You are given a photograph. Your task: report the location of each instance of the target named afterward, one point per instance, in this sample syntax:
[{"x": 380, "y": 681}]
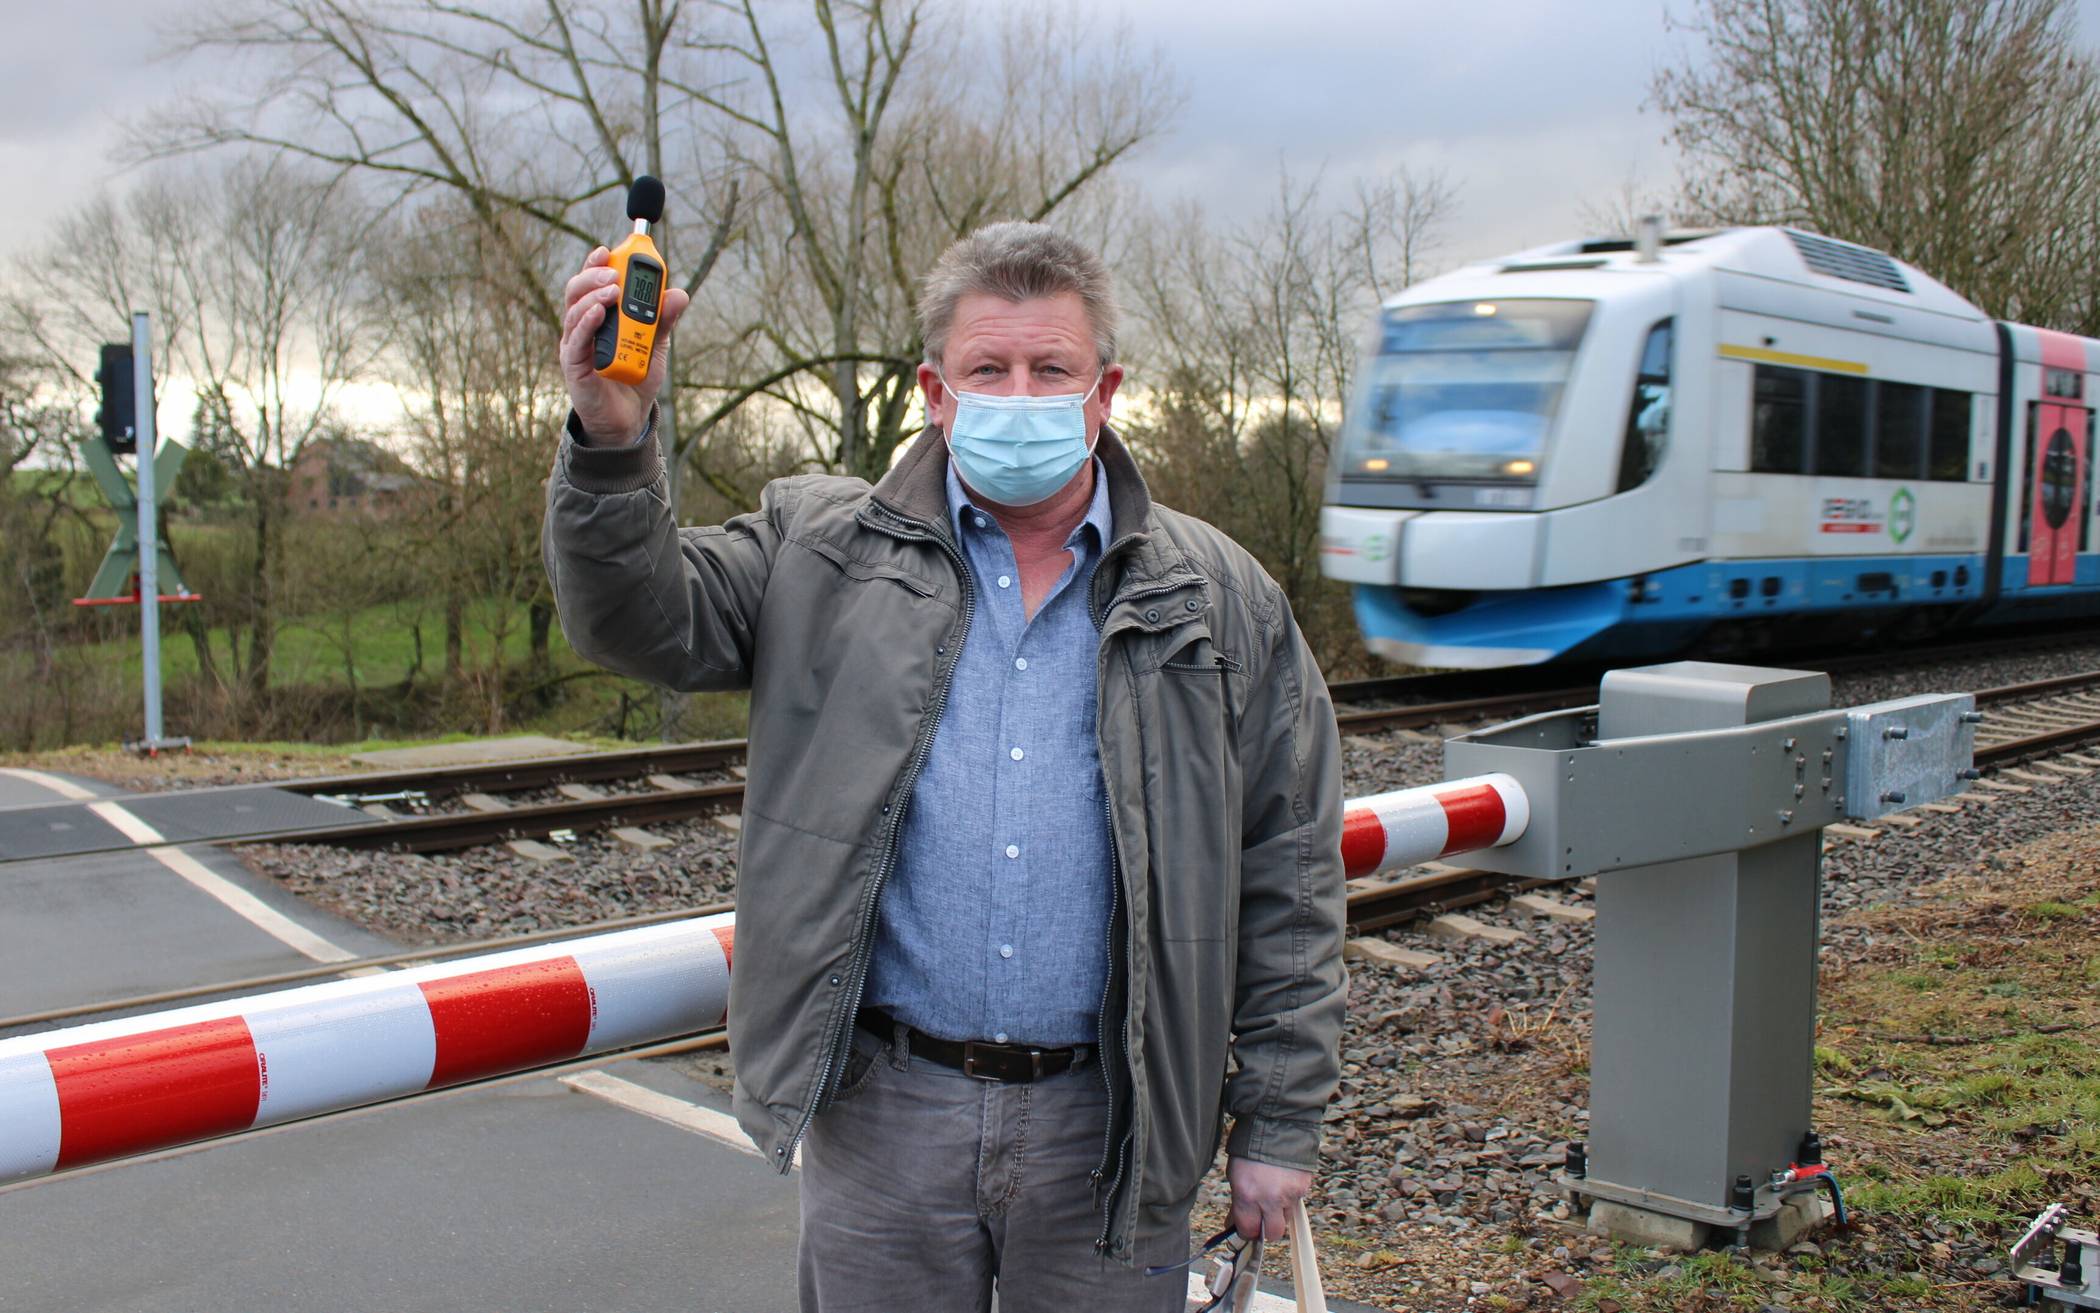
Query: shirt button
[
  {"x": 1020, "y": 663},
  {"x": 978, "y": 520},
  {"x": 1006, "y": 950},
  {"x": 1017, "y": 754},
  {"x": 999, "y": 1038},
  {"x": 1013, "y": 850},
  {"x": 1006, "y": 581}
]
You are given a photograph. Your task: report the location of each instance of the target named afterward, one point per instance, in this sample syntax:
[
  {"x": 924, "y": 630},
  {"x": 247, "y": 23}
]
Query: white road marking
[
  {"x": 722, "y": 1128},
  {"x": 717, "y": 1126},
  {"x": 242, "y": 903},
  {"x": 64, "y": 788}
]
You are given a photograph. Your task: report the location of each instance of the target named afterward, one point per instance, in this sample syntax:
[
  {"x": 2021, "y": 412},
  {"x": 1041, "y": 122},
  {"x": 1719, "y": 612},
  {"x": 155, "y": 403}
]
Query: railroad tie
[
  {"x": 1856, "y": 833},
  {"x": 1898, "y": 818},
  {"x": 1540, "y": 905},
  {"x": 532, "y": 850},
  {"x": 672, "y": 783},
  {"x": 2073, "y": 772},
  {"x": 729, "y": 821},
  {"x": 1386, "y": 953},
  {"x": 2000, "y": 786},
  {"x": 482, "y": 802},
  {"x": 639, "y": 838},
  {"x": 1459, "y": 927},
  {"x": 2029, "y": 776},
  {"x": 579, "y": 792}
]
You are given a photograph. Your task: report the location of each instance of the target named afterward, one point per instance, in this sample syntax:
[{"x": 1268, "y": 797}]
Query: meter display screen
[{"x": 644, "y": 281}]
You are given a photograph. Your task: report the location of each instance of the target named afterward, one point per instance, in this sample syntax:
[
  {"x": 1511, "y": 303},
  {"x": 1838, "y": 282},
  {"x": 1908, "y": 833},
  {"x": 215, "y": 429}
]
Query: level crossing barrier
[
  {"x": 1699, "y": 792},
  {"x": 112, "y": 1089}
]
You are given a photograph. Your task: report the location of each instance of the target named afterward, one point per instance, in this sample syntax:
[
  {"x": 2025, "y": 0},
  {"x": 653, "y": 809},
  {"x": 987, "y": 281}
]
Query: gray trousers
[{"x": 923, "y": 1189}]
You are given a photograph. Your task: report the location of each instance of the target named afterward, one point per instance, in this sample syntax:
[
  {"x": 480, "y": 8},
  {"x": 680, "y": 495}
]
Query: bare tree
[
  {"x": 480, "y": 392},
  {"x": 1960, "y": 135},
  {"x": 1250, "y": 344},
  {"x": 903, "y": 130},
  {"x": 532, "y": 117},
  {"x": 253, "y": 274}
]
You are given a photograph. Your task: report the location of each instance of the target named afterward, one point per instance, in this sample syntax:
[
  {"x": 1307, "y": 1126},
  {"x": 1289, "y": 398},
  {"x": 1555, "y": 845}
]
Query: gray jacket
[{"x": 842, "y": 608}]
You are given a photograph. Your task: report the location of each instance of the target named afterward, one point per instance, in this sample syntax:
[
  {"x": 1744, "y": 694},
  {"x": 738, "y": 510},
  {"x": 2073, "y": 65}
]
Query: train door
[{"x": 2059, "y": 456}]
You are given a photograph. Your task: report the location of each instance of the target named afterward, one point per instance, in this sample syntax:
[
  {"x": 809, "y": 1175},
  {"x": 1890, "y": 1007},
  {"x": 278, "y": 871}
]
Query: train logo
[{"x": 1903, "y": 514}]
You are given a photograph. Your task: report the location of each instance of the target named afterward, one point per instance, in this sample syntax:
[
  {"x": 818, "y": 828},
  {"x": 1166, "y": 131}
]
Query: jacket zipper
[
  {"x": 858, "y": 969},
  {"x": 1110, "y": 1150}
]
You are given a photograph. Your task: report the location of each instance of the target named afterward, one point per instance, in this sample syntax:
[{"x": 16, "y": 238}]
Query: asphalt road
[{"x": 532, "y": 1195}]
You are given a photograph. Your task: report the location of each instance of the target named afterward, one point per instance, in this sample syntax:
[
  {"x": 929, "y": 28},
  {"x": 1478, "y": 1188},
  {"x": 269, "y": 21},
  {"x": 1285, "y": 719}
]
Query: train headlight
[
  {"x": 1521, "y": 467},
  {"x": 1484, "y": 308},
  {"x": 1378, "y": 465}
]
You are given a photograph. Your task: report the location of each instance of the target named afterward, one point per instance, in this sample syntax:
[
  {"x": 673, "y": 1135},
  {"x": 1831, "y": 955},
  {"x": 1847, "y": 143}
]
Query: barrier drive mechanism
[
  {"x": 2073, "y": 1282},
  {"x": 1697, "y": 792}
]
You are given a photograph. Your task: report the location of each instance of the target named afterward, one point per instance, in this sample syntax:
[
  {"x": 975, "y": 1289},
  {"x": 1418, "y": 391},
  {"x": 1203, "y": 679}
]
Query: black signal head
[{"x": 645, "y": 200}]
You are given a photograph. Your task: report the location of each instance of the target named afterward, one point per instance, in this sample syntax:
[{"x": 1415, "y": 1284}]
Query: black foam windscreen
[{"x": 645, "y": 200}]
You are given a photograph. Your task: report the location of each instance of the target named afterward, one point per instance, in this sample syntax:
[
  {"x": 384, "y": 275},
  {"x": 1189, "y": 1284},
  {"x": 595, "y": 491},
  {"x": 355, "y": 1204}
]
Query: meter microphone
[{"x": 627, "y": 339}]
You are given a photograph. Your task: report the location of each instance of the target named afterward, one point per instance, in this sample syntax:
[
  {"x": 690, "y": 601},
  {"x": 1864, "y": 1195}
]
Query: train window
[
  {"x": 1841, "y": 425},
  {"x": 2066, "y": 383},
  {"x": 1464, "y": 391},
  {"x": 1948, "y": 458},
  {"x": 1648, "y": 419},
  {"x": 1779, "y": 421},
  {"x": 1899, "y": 431}
]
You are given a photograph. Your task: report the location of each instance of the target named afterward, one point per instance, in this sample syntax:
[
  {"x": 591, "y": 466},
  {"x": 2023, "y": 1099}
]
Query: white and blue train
[{"x": 1707, "y": 440}]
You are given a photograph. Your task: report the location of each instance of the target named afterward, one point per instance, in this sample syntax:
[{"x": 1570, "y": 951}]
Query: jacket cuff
[
  {"x": 628, "y": 468},
  {"x": 1275, "y": 1141}
]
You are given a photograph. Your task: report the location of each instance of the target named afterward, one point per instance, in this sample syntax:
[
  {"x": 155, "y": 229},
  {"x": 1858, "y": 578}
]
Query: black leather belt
[{"x": 976, "y": 1058}]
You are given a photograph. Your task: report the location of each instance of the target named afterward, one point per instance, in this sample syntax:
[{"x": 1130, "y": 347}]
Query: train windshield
[{"x": 1465, "y": 391}]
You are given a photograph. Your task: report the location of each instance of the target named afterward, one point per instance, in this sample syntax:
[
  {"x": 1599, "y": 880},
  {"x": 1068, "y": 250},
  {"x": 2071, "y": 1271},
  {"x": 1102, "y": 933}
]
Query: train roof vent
[{"x": 1854, "y": 264}]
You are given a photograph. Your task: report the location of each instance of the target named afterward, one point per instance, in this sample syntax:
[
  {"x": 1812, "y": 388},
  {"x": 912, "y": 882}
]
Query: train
[{"x": 1723, "y": 441}]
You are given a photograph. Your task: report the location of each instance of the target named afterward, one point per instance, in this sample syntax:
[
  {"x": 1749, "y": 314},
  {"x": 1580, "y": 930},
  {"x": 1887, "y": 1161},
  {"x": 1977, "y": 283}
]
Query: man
[{"x": 1042, "y": 827}]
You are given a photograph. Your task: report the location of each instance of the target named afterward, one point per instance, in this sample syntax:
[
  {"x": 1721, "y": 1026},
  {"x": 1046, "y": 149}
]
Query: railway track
[{"x": 2026, "y": 723}]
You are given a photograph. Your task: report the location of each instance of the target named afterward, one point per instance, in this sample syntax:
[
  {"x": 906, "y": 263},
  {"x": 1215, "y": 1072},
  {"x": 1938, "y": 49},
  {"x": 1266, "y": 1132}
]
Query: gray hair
[{"x": 1016, "y": 262}]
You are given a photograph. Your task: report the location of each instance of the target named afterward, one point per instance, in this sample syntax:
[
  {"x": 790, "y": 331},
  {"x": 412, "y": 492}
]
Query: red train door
[{"x": 2059, "y": 457}]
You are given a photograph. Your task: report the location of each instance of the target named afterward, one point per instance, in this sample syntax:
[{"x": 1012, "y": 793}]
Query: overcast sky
[{"x": 1532, "y": 107}]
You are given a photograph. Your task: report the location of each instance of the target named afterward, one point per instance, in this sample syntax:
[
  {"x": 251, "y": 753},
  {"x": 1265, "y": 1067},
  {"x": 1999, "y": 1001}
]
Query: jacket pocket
[
  {"x": 1196, "y": 855},
  {"x": 854, "y": 567}
]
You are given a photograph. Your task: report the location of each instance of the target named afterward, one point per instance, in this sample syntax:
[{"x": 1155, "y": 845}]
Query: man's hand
[
  {"x": 612, "y": 413},
  {"x": 1262, "y": 1196}
]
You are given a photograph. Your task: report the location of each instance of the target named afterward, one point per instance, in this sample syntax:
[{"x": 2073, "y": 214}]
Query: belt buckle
[{"x": 969, "y": 1062}]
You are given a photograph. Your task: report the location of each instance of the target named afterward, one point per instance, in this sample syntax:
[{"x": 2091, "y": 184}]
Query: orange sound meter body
[{"x": 627, "y": 338}]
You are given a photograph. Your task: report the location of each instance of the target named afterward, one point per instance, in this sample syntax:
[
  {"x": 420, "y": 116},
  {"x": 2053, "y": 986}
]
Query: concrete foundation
[
  {"x": 1796, "y": 1218},
  {"x": 1638, "y": 1226}
]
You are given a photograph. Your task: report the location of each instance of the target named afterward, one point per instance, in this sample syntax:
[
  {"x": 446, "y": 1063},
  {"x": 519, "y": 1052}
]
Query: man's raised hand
[{"x": 611, "y": 413}]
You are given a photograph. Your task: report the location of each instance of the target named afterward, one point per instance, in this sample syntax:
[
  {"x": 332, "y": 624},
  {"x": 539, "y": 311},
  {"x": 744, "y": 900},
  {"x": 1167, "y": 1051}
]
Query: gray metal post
[
  {"x": 1705, "y": 974},
  {"x": 1697, "y": 793},
  {"x": 148, "y": 508}
]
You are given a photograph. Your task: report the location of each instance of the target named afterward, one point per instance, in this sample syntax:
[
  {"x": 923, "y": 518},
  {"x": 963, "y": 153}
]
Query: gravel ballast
[{"x": 1463, "y": 1082}]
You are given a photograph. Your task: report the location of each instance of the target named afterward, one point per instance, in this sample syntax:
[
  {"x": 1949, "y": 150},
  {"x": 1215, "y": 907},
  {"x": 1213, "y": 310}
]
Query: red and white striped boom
[
  {"x": 111, "y": 1089},
  {"x": 116, "y": 1088}
]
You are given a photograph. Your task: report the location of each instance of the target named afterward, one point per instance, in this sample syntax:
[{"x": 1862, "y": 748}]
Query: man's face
[{"x": 1038, "y": 348}]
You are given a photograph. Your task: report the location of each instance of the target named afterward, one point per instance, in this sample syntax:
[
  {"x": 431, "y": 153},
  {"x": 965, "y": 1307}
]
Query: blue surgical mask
[{"x": 1018, "y": 450}]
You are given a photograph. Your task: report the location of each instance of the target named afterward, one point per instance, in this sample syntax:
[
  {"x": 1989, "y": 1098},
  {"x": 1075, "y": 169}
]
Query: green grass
[{"x": 381, "y": 638}]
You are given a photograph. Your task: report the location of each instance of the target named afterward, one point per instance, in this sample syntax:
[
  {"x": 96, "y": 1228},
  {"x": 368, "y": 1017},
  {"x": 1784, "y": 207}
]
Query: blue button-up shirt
[{"x": 994, "y": 924}]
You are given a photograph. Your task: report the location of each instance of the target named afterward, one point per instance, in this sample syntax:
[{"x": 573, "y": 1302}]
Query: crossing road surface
[{"x": 531, "y": 1195}]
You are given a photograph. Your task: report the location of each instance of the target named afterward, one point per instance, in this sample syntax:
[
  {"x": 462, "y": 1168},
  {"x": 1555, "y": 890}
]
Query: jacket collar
[{"x": 1148, "y": 561}]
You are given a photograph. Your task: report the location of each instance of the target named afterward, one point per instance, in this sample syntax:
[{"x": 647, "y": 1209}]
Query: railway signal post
[
  {"x": 1698, "y": 797},
  {"x": 137, "y": 564}
]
